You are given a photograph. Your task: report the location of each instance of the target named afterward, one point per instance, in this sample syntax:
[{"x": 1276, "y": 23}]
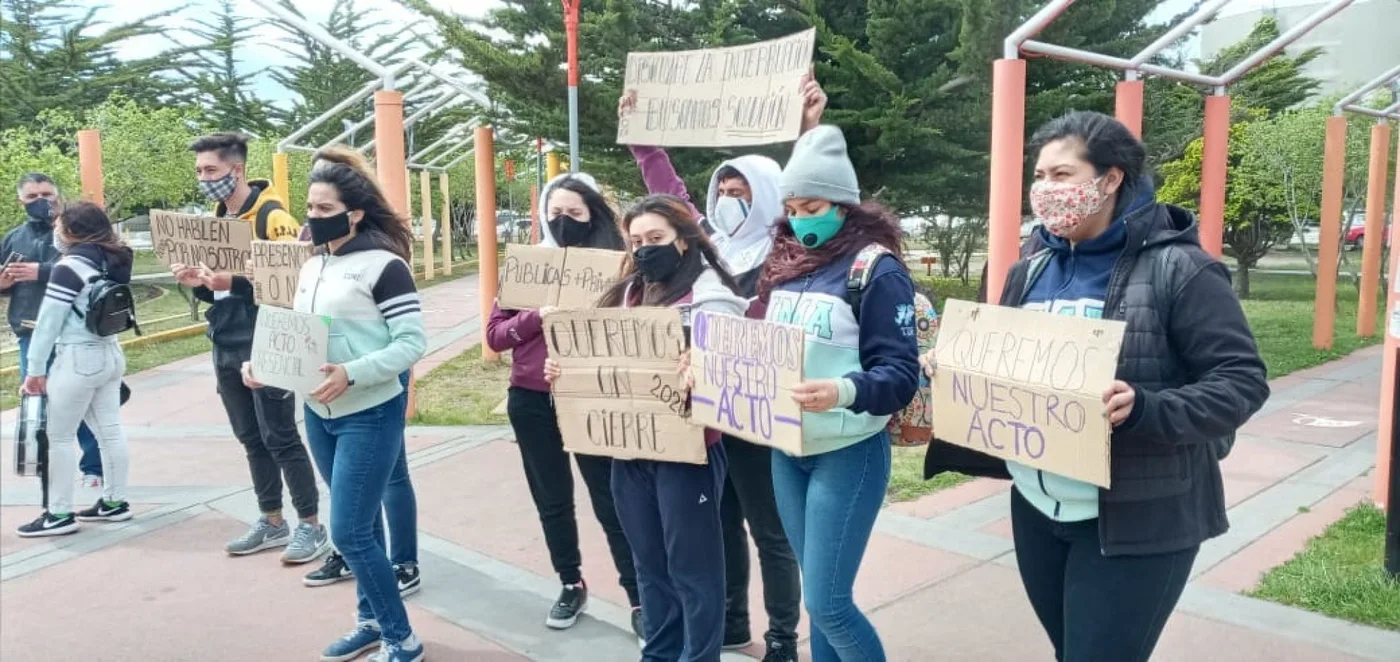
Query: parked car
[
  {"x": 1356, "y": 236},
  {"x": 1310, "y": 236}
]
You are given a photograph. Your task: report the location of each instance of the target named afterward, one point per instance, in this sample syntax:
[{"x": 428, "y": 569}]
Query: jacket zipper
[
  {"x": 316, "y": 287},
  {"x": 1033, "y": 271}
]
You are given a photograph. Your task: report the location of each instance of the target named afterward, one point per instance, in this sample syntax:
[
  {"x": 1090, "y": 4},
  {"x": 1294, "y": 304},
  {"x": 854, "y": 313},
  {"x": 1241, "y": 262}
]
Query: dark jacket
[
  {"x": 34, "y": 240},
  {"x": 1198, "y": 378}
]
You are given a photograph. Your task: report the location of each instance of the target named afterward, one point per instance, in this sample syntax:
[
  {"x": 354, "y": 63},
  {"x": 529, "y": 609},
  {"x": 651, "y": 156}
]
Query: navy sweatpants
[{"x": 670, "y": 513}]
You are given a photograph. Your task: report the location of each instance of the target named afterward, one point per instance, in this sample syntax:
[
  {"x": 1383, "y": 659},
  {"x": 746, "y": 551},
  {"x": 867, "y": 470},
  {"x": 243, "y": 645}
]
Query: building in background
[{"x": 1359, "y": 43}]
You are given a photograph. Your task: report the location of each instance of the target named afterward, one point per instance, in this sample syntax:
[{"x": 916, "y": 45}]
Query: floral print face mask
[{"x": 1063, "y": 206}]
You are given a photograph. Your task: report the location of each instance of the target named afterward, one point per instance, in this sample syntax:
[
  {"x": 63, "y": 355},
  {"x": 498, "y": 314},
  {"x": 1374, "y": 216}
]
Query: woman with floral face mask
[{"x": 1103, "y": 568}]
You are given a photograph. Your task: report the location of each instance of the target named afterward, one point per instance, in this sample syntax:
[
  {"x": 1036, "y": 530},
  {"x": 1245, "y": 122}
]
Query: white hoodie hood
[
  {"x": 749, "y": 245},
  {"x": 547, "y": 238}
]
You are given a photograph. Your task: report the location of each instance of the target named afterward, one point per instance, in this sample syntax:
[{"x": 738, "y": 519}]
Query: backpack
[
  {"x": 111, "y": 307},
  {"x": 913, "y": 425}
]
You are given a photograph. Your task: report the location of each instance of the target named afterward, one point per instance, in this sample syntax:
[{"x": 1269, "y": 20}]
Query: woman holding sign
[
  {"x": 1104, "y": 568},
  {"x": 361, "y": 284},
  {"x": 860, "y": 363},
  {"x": 671, "y": 510},
  {"x": 578, "y": 217}
]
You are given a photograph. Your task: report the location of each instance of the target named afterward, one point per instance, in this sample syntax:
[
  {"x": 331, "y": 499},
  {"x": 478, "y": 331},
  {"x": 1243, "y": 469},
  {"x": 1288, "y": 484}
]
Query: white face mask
[
  {"x": 59, "y": 244},
  {"x": 730, "y": 213}
]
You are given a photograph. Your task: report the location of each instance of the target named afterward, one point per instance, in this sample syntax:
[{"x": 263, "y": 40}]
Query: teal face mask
[{"x": 813, "y": 231}]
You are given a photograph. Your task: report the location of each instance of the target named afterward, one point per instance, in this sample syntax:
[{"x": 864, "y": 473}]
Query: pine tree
[{"x": 225, "y": 94}]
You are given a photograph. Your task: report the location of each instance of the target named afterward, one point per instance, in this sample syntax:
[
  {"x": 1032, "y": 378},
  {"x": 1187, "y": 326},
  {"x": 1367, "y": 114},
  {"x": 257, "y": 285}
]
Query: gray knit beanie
[{"x": 820, "y": 168}]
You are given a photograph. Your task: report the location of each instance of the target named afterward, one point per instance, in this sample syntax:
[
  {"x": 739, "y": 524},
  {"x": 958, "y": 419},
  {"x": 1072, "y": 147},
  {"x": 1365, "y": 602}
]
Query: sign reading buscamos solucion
[
  {"x": 1027, "y": 386},
  {"x": 745, "y": 371},
  {"x": 734, "y": 96},
  {"x": 619, "y": 393}
]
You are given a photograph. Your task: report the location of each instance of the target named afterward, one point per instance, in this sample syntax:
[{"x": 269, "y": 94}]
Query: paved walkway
[{"x": 939, "y": 579}]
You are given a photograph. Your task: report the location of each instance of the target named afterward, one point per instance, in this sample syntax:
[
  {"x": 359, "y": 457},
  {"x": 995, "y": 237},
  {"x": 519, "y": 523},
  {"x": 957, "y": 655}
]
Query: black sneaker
[
  {"x": 781, "y": 652},
  {"x": 572, "y": 601},
  {"x": 638, "y": 628},
  {"x": 101, "y": 512},
  {"x": 332, "y": 571},
  {"x": 48, "y": 525},
  {"x": 410, "y": 580},
  {"x": 736, "y": 638}
]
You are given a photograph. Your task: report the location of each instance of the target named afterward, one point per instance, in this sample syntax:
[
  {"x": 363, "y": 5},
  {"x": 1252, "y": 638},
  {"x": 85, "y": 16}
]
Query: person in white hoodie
[{"x": 742, "y": 204}]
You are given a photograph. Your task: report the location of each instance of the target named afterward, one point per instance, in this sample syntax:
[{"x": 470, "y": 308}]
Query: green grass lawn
[
  {"x": 462, "y": 391},
  {"x": 1280, "y": 311},
  {"x": 1340, "y": 574},
  {"x": 907, "y": 476}
]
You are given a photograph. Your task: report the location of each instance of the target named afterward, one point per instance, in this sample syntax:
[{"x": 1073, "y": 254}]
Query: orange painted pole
[
  {"x": 1128, "y": 105},
  {"x": 1214, "y": 161},
  {"x": 1333, "y": 173},
  {"x": 1375, "y": 229},
  {"x": 486, "y": 226},
  {"x": 1389, "y": 357},
  {"x": 1008, "y": 142},
  {"x": 390, "y": 166},
  {"x": 535, "y": 214},
  {"x": 446, "y": 223},
  {"x": 90, "y": 165},
  {"x": 425, "y": 187}
]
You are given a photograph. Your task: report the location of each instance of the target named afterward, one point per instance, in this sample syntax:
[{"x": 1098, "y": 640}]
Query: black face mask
[
  {"x": 328, "y": 229},
  {"x": 39, "y": 210},
  {"x": 569, "y": 231},
  {"x": 657, "y": 263}
]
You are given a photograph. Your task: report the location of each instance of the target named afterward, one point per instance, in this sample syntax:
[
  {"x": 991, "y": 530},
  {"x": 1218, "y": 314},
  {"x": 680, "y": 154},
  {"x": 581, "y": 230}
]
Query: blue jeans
[
  {"x": 828, "y": 503},
  {"x": 356, "y": 454},
  {"x": 91, "y": 462},
  {"x": 670, "y": 514},
  {"x": 400, "y": 502}
]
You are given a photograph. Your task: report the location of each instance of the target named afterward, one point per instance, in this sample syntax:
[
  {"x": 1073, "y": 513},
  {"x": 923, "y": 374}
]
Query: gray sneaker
[
  {"x": 262, "y": 535},
  {"x": 309, "y": 542}
]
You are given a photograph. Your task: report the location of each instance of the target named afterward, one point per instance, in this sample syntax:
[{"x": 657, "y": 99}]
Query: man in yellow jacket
[{"x": 263, "y": 419}]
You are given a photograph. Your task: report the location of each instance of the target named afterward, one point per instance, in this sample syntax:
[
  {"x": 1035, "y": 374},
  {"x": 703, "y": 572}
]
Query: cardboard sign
[
  {"x": 735, "y": 96},
  {"x": 221, "y": 245},
  {"x": 1027, "y": 386},
  {"x": 276, "y": 268},
  {"x": 289, "y": 349},
  {"x": 618, "y": 393},
  {"x": 537, "y": 276},
  {"x": 744, "y": 374}
]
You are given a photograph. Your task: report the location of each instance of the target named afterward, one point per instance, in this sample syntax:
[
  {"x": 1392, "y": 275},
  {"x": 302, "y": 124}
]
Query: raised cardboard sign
[
  {"x": 618, "y": 393},
  {"x": 537, "y": 276},
  {"x": 276, "y": 267},
  {"x": 221, "y": 245},
  {"x": 734, "y": 96},
  {"x": 289, "y": 349},
  {"x": 1027, "y": 386},
  {"x": 744, "y": 374}
]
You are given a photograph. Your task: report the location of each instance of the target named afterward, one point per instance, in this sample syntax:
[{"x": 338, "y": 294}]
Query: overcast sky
[{"x": 271, "y": 53}]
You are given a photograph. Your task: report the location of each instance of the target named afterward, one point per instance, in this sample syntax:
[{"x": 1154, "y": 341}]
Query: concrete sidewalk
[{"x": 939, "y": 579}]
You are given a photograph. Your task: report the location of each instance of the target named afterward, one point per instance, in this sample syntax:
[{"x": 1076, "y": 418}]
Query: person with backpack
[
  {"x": 27, "y": 257},
  {"x": 362, "y": 284},
  {"x": 263, "y": 419},
  {"x": 860, "y": 366},
  {"x": 86, "y": 304},
  {"x": 742, "y": 205},
  {"x": 578, "y": 216},
  {"x": 1104, "y": 568},
  {"x": 670, "y": 511}
]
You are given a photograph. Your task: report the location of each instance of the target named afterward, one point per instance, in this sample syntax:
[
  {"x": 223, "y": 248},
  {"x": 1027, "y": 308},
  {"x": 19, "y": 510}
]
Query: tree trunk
[{"x": 1242, "y": 277}]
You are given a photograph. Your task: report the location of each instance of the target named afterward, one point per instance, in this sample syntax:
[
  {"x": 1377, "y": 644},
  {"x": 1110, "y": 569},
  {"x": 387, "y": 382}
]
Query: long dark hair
[
  {"x": 602, "y": 220},
  {"x": 86, "y": 223},
  {"x": 349, "y": 173},
  {"x": 869, "y": 223},
  {"x": 698, "y": 254}
]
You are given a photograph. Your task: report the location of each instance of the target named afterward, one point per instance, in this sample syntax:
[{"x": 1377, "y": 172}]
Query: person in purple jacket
[
  {"x": 578, "y": 216},
  {"x": 742, "y": 205}
]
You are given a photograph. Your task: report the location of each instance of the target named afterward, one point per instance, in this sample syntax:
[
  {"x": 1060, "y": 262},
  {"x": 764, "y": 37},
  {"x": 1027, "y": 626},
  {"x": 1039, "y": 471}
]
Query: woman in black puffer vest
[{"x": 1104, "y": 568}]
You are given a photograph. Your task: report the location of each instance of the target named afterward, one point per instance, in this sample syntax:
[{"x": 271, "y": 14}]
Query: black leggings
[{"x": 1095, "y": 608}]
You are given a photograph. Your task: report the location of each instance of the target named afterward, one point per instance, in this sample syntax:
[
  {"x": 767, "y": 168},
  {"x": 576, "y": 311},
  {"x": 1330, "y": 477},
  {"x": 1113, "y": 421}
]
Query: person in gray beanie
[{"x": 860, "y": 364}]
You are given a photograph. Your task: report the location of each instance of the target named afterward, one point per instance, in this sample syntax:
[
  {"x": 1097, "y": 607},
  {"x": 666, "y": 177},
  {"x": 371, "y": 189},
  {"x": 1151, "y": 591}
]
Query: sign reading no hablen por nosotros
[{"x": 220, "y": 244}]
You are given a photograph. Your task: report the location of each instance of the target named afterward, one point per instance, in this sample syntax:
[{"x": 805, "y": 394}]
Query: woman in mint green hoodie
[{"x": 355, "y": 418}]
